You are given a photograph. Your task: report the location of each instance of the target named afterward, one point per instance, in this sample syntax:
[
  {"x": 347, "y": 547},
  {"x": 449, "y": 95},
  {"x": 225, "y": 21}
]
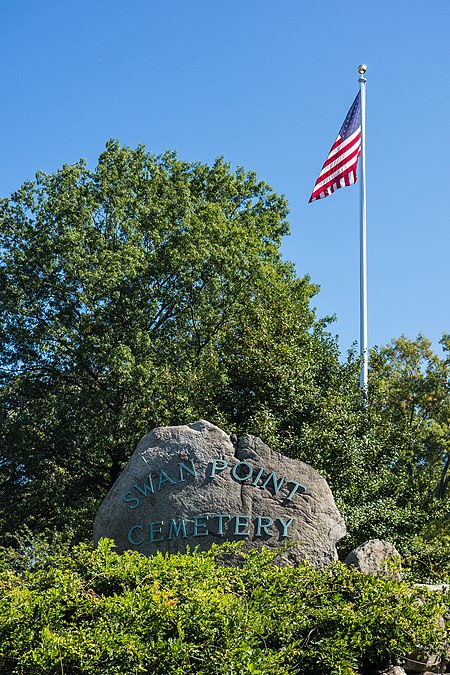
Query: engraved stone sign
[{"x": 193, "y": 486}]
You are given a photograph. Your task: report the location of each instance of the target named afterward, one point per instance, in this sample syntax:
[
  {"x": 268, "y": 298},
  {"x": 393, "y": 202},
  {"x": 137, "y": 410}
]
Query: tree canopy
[
  {"x": 145, "y": 292},
  {"x": 150, "y": 291}
]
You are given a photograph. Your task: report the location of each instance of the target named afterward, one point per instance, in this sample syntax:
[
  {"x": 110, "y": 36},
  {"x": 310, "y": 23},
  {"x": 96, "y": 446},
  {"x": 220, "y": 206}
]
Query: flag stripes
[{"x": 339, "y": 169}]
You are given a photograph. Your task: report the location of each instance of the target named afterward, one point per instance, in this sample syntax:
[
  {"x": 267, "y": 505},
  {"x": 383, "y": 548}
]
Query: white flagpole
[{"x": 363, "y": 340}]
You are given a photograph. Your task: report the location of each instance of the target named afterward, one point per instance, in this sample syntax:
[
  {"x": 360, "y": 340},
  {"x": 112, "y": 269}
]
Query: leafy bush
[
  {"x": 426, "y": 557},
  {"x": 97, "y": 612}
]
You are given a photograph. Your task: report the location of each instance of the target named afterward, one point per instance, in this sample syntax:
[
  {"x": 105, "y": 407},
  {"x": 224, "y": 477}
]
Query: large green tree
[{"x": 147, "y": 291}]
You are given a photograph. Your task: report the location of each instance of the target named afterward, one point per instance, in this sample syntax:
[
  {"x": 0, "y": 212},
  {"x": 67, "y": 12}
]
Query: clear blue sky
[{"x": 267, "y": 84}]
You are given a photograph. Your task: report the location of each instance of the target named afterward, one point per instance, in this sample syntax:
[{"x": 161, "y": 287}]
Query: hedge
[{"x": 96, "y": 612}]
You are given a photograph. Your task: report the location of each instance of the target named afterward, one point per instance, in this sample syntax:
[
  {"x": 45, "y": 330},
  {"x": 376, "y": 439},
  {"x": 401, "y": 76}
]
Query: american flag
[{"x": 339, "y": 169}]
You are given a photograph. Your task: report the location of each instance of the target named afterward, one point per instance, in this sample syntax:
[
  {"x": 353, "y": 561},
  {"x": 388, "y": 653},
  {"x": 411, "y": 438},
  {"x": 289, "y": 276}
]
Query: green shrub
[{"x": 99, "y": 613}]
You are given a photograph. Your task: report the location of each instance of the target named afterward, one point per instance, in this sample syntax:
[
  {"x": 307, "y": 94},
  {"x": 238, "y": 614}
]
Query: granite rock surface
[{"x": 193, "y": 486}]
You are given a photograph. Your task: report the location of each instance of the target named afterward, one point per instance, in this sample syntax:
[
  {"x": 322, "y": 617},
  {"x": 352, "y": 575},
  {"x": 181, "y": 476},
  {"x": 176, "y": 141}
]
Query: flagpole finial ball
[{"x": 362, "y": 68}]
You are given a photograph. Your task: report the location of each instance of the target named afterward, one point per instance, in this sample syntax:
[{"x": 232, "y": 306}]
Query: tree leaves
[{"x": 145, "y": 292}]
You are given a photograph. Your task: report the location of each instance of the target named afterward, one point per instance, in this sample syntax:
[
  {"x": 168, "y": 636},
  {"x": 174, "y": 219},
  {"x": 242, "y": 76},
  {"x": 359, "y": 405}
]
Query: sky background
[{"x": 267, "y": 84}]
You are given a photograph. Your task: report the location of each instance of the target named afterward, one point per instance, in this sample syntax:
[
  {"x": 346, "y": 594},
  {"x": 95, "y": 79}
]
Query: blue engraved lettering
[
  {"x": 164, "y": 478},
  {"x": 130, "y": 534},
  {"x": 294, "y": 489},
  {"x": 241, "y": 521},
  {"x": 177, "y": 528},
  {"x": 285, "y": 525},
  {"x": 129, "y": 499},
  {"x": 146, "y": 489},
  {"x": 220, "y": 517},
  {"x": 190, "y": 469},
  {"x": 156, "y": 528},
  {"x": 217, "y": 466},
  {"x": 200, "y": 522},
  {"x": 260, "y": 525},
  {"x": 235, "y": 474},
  {"x": 276, "y": 485},
  {"x": 258, "y": 476}
]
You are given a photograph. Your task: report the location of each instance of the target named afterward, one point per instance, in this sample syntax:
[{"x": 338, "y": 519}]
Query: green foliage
[
  {"x": 411, "y": 388},
  {"x": 408, "y": 440},
  {"x": 388, "y": 463},
  {"x": 100, "y": 613},
  {"x": 427, "y": 553},
  {"x": 151, "y": 291}
]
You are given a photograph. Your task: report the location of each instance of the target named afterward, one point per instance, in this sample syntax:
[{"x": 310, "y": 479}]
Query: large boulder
[{"x": 193, "y": 486}]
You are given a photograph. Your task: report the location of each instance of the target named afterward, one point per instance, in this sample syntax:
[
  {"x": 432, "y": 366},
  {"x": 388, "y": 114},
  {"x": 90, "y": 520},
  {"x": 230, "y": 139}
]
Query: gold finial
[{"x": 362, "y": 68}]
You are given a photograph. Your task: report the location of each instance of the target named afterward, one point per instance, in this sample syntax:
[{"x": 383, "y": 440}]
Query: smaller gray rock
[
  {"x": 375, "y": 557},
  {"x": 395, "y": 670},
  {"x": 421, "y": 663}
]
